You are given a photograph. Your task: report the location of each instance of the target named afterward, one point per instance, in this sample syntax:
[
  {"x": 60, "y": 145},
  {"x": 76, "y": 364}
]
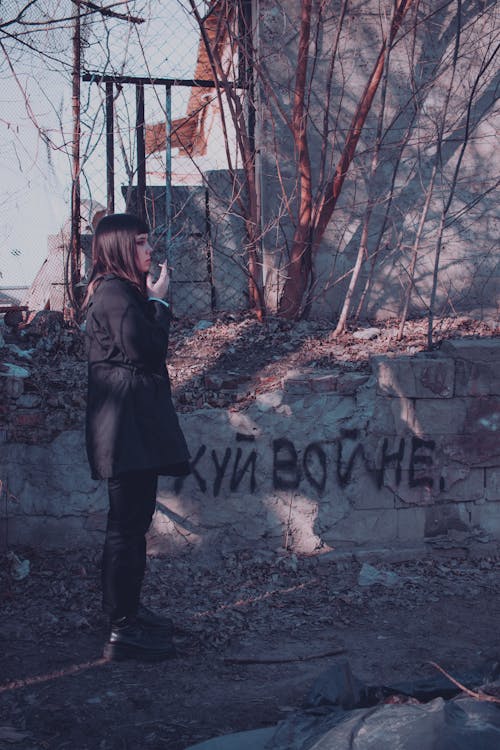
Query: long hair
[{"x": 114, "y": 251}]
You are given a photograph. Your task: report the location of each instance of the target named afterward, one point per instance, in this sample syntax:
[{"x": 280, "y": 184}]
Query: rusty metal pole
[
  {"x": 141, "y": 151},
  {"x": 168, "y": 168},
  {"x": 75, "y": 252}
]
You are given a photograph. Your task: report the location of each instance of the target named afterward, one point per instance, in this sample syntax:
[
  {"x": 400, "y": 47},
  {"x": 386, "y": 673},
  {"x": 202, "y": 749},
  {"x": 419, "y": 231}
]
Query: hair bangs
[{"x": 114, "y": 251}]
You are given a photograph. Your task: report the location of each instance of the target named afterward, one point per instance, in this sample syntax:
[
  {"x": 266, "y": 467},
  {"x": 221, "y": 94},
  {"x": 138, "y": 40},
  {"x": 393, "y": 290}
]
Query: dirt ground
[
  {"x": 235, "y": 358},
  {"x": 261, "y": 627},
  {"x": 224, "y": 362}
]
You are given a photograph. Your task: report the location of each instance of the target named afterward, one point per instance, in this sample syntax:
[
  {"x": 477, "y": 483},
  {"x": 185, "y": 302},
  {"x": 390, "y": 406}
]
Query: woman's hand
[{"x": 159, "y": 287}]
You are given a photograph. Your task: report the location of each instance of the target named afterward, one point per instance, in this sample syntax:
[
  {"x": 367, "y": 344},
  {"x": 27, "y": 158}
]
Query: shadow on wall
[
  {"x": 335, "y": 460},
  {"x": 404, "y": 172},
  {"x": 434, "y": 437},
  {"x": 243, "y": 472},
  {"x": 406, "y": 459}
]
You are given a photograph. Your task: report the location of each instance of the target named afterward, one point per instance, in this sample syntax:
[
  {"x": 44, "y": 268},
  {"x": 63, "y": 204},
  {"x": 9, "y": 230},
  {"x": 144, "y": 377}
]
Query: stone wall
[{"x": 406, "y": 456}]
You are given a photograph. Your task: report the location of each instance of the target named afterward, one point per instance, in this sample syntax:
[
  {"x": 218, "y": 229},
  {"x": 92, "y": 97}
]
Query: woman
[{"x": 132, "y": 430}]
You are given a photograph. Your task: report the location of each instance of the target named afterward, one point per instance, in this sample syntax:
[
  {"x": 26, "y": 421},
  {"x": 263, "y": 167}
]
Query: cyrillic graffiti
[{"x": 233, "y": 468}]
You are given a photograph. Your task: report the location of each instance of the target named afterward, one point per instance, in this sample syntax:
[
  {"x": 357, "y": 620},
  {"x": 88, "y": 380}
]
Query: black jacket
[{"x": 131, "y": 423}]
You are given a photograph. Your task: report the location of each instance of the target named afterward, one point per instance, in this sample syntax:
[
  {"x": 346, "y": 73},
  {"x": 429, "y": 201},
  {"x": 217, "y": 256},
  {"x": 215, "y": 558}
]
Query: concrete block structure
[{"x": 404, "y": 461}]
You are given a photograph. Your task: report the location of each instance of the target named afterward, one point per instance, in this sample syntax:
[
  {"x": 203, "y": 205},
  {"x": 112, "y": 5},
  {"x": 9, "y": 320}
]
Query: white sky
[{"x": 35, "y": 182}]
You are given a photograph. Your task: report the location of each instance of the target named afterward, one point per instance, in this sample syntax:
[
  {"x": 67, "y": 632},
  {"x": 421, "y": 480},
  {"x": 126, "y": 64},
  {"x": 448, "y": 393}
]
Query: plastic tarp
[
  {"x": 458, "y": 724},
  {"x": 342, "y": 713}
]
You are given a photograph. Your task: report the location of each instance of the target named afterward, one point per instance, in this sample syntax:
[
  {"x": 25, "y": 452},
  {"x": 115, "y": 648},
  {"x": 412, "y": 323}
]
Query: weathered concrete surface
[
  {"x": 383, "y": 464},
  {"x": 416, "y": 377},
  {"x": 49, "y": 498},
  {"x": 469, "y": 269},
  {"x": 477, "y": 366}
]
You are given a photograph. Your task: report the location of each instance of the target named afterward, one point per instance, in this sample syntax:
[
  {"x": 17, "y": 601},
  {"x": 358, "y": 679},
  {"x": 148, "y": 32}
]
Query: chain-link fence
[
  {"x": 152, "y": 138},
  {"x": 35, "y": 68},
  {"x": 373, "y": 188}
]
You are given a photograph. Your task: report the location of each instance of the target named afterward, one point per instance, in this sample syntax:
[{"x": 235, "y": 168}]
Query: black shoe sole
[
  {"x": 165, "y": 630},
  {"x": 123, "y": 651}
]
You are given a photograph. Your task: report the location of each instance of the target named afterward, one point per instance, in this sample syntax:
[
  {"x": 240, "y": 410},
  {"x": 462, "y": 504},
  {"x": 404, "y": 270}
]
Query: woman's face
[{"x": 143, "y": 252}]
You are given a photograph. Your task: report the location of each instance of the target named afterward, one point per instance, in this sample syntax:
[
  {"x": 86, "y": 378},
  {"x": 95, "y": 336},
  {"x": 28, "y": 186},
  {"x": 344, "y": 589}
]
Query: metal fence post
[
  {"x": 141, "y": 151},
  {"x": 168, "y": 167},
  {"x": 110, "y": 148}
]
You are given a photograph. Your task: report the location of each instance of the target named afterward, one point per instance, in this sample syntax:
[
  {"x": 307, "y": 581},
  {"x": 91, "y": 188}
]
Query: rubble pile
[{"x": 225, "y": 362}]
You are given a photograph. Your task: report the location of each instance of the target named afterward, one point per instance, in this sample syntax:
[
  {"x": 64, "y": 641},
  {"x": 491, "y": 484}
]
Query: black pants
[{"x": 132, "y": 500}]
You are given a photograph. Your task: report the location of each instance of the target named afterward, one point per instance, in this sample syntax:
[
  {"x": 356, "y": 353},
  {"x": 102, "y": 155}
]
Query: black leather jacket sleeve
[{"x": 128, "y": 327}]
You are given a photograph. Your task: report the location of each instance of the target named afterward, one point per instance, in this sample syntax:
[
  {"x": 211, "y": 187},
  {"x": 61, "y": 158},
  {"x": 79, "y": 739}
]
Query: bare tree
[
  {"x": 364, "y": 163},
  {"x": 321, "y": 154},
  {"x": 25, "y": 34},
  {"x": 311, "y": 202},
  {"x": 300, "y": 261},
  {"x": 486, "y": 62}
]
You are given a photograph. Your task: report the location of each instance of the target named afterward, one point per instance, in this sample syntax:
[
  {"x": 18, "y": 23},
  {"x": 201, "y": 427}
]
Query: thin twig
[
  {"x": 479, "y": 695},
  {"x": 238, "y": 660},
  {"x": 111, "y": 13}
]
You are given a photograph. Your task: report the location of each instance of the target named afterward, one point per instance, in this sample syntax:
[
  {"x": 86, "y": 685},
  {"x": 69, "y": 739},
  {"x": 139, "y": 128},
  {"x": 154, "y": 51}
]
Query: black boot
[
  {"x": 154, "y": 621},
  {"x": 132, "y": 639}
]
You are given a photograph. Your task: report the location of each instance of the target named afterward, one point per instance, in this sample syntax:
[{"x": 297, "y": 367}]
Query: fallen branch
[
  {"x": 57, "y": 674},
  {"x": 238, "y": 660},
  {"x": 479, "y": 695},
  {"x": 111, "y": 13}
]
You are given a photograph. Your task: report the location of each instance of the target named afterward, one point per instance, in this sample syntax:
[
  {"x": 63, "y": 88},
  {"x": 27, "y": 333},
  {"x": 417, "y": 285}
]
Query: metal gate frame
[{"x": 245, "y": 81}]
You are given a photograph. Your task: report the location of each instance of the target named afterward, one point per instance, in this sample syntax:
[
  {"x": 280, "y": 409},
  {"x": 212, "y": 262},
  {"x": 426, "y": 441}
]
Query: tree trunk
[
  {"x": 75, "y": 252},
  {"x": 299, "y": 266},
  {"x": 311, "y": 223}
]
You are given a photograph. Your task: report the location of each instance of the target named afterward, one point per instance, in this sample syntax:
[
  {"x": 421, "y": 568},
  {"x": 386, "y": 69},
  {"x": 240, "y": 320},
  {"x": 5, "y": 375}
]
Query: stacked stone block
[
  {"x": 403, "y": 457},
  {"x": 446, "y": 407}
]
